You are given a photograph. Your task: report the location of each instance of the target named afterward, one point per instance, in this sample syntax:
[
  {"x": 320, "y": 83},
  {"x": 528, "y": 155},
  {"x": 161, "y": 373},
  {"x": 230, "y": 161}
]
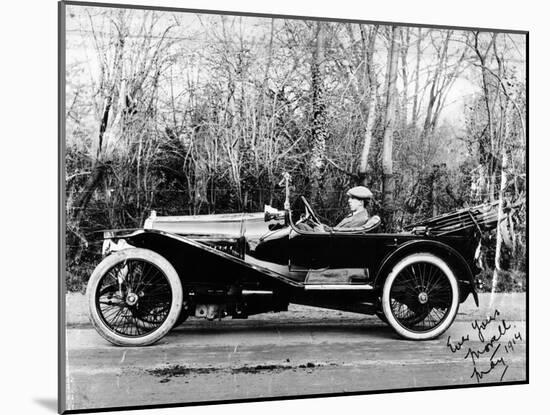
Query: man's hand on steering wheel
[{"x": 311, "y": 218}]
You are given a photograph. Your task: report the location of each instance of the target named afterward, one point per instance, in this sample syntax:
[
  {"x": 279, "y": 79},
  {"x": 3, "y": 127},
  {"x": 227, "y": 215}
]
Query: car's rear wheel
[
  {"x": 134, "y": 297},
  {"x": 420, "y": 296}
]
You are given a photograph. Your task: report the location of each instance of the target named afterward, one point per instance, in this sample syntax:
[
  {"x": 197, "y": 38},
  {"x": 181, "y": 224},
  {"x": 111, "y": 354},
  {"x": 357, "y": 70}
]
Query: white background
[{"x": 28, "y": 133}]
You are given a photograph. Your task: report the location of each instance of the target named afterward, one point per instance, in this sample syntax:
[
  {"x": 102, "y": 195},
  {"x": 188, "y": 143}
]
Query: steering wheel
[{"x": 310, "y": 213}]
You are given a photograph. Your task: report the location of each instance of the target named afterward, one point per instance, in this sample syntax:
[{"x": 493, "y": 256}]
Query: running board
[{"x": 338, "y": 287}]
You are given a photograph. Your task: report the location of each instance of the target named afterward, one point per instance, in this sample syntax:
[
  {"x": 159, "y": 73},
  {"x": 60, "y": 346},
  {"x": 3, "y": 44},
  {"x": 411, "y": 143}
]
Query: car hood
[{"x": 226, "y": 225}]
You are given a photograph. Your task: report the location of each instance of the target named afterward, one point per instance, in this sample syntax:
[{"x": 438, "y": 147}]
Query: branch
[
  {"x": 346, "y": 172},
  {"x": 520, "y": 114},
  {"x": 72, "y": 176}
]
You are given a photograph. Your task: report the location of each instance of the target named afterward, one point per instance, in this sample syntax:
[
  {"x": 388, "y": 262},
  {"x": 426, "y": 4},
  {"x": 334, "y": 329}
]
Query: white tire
[
  {"x": 117, "y": 301},
  {"x": 420, "y": 297}
]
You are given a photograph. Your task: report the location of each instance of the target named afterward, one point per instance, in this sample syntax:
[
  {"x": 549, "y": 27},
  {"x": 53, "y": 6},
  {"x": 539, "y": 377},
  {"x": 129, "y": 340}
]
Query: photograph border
[{"x": 62, "y": 355}]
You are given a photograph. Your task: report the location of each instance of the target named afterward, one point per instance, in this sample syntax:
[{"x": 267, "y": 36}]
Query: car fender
[{"x": 464, "y": 272}]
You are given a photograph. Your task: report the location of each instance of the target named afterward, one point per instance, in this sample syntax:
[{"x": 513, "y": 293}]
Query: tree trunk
[
  {"x": 387, "y": 145},
  {"x": 102, "y": 128},
  {"x": 486, "y": 98},
  {"x": 319, "y": 130},
  {"x": 405, "y": 40},
  {"x": 416, "y": 100},
  {"x": 436, "y": 89},
  {"x": 371, "y": 104},
  {"x": 500, "y": 215}
]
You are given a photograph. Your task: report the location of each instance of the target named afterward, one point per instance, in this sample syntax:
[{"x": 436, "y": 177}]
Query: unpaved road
[{"x": 304, "y": 351}]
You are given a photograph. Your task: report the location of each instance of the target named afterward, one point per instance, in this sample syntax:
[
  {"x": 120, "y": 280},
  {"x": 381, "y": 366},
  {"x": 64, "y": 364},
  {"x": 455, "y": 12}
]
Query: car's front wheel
[
  {"x": 134, "y": 297},
  {"x": 420, "y": 296}
]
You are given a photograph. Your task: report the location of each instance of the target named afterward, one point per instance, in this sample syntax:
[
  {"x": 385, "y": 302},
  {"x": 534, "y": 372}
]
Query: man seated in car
[{"x": 358, "y": 217}]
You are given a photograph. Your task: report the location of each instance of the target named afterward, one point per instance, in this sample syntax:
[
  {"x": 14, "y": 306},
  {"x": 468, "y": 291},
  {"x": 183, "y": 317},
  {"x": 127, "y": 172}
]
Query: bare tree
[
  {"x": 319, "y": 129},
  {"x": 370, "y": 84},
  {"x": 415, "y": 107},
  {"x": 390, "y": 122}
]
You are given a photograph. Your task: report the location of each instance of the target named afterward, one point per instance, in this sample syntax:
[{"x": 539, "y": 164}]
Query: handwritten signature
[{"x": 489, "y": 345}]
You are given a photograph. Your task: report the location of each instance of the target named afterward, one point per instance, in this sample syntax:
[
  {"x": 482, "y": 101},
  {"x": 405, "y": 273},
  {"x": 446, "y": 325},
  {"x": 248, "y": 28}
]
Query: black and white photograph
[{"x": 259, "y": 207}]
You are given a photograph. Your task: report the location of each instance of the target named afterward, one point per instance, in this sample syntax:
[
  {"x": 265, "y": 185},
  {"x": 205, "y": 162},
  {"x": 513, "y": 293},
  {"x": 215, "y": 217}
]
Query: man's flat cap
[{"x": 359, "y": 192}]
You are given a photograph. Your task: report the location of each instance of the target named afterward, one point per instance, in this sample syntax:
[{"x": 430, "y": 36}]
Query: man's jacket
[{"x": 354, "y": 221}]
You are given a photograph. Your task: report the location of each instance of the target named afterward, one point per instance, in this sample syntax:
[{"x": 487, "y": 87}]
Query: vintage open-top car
[{"x": 236, "y": 265}]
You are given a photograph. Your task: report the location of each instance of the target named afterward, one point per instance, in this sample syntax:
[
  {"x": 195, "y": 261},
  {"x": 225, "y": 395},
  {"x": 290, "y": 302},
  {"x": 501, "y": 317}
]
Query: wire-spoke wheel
[
  {"x": 134, "y": 297},
  {"x": 420, "y": 297}
]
